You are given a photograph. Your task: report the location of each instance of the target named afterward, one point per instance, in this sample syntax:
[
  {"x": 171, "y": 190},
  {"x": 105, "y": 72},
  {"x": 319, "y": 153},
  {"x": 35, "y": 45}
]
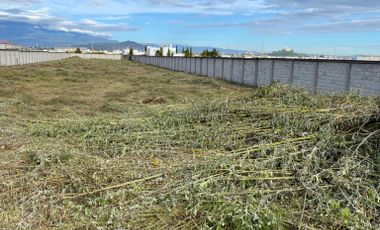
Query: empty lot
[{"x": 116, "y": 144}]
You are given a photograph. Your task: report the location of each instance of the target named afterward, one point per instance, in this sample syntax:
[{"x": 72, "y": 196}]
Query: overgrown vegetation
[{"x": 116, "y": 144}]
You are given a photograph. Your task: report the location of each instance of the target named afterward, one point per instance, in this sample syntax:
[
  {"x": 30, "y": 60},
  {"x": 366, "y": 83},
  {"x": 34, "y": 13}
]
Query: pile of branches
[
  {"x": 307, "y": 162},
  {"x": 273, "y": 158}
]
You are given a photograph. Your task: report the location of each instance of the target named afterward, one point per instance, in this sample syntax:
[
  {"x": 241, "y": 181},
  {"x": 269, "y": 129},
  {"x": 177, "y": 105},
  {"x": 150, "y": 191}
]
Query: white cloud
[
  {"x": 42, "y": 18},
  {"x": 265, "y": 16}
]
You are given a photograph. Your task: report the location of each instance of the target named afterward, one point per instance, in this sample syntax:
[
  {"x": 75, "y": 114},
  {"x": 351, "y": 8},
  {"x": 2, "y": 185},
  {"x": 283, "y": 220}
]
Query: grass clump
[{"x": 81, "y": 150}]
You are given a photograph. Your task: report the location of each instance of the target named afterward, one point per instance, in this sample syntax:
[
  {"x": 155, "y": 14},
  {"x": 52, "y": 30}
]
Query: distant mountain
[
  {"x": 114, "y": 45},
  {"x": 27, "y": 34},
  {"x": 140, "y": 46},
  {"x": 33, "y": 35}
]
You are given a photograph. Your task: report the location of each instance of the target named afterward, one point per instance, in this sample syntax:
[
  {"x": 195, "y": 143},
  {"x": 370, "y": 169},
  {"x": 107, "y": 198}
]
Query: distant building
[
  {"x": 7, "y": 45},
  {"x": 71, "y": 49},
  {"x": 135, "y": 52},
  {"x": 179, "y": 55},
  {"x": 166, "y": 49},
  {"x": 367, "y": 58},
  {"x": 65, "y": 49},
  {"x": 286, "y": 49},
  {"x": 85, "y": 50},
  {"x": 151, "y": 51}
]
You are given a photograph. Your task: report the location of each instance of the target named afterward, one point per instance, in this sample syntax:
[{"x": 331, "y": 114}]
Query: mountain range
[
  {"x": 27, "y": 34},
  {"x": 33, "y": 35}
]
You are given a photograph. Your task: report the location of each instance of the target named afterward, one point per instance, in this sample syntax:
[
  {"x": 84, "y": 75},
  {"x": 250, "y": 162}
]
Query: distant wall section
[{"x": 14, "y": 57}]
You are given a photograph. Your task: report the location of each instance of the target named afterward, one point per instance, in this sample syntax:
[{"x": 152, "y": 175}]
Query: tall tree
[
  {"x": 78, "y": 51},
  {"x": 160, "y": 52},
  {"x": 130, "y": 55}
]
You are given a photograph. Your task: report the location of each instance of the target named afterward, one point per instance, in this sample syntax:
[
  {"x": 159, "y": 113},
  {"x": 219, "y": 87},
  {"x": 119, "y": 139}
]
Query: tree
[
  {"x": 130, "y": 54},
  {"x": 207, "y": 53},
  {"x": 183, "y": 50},
  {"x": 169, "y": 53},
  {"x": 78, "y": 51},
  {"x": 187, "y": 52},
  {"x": 146, "y": 49},
  {"x": 159, "y": 52}
]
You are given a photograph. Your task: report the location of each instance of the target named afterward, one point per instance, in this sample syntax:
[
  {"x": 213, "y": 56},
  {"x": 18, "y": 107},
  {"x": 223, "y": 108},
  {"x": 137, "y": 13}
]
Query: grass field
[{"x": 94, "y": 144}]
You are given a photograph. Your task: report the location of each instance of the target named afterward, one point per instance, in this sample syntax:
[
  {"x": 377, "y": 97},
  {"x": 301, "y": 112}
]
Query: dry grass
[{"x": 116, "y": 144}]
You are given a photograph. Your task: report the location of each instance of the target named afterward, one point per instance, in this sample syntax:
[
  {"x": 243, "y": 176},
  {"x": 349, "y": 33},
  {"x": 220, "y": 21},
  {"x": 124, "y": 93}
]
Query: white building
[
  {"x": 367, "y": 58},
  {"x": 151, "y": 51},
  {"x": 166, "y": 49},
  {"x": 65, "y": 49},
  {"x": 179, "y": 55},
  {"x": 135, "y": 52},
  {"x": 6, "y": 45}
]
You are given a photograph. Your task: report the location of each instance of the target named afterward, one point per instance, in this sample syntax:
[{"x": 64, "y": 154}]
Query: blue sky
[{"x": 346, "y": 27}]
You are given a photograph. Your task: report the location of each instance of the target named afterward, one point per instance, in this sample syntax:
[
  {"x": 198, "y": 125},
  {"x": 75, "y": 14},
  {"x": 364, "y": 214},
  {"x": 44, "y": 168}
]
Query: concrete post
[
  {"x": 243, "y": 73},
  {"x": 232, "y": 69},
  {"x": 348, "y": 79},
  {"x": 214, "y": 68},
  {"x": 316, "y": 75},
  {"x": 272, "y": 73},
  {"x": 207, "y": 67},
  {"x": 4, "y": 58},
  {"x": 222, "y": 69},
  {"x": 291, "y": 76},
  {"x": 256, "y": 73}
]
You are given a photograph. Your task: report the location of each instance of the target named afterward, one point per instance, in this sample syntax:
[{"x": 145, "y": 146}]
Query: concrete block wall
[
  {"x": 250, "y": 73},
  {"x": 283, "y": 71},
  {"x": 365, "y": 78},
  {"x": 238, "y": 71},
  {"x": 265, "y": 72},
  {"x": 210, "y": 67},
  {"x": 219, "y": 68},
  {"x": 304, "y": 74},
  {"x": 325, "y": 76},
  {"x": 14, "y": 57},
  {"x": 332, "y": 77},
  {"x": 227, "y": 70}
]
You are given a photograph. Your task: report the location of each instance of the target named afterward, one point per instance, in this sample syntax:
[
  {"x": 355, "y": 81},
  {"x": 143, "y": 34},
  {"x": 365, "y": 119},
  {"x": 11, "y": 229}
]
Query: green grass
[{"x": 115, "y": 144}]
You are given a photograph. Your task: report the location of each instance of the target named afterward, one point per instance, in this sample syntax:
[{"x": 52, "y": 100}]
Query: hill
[{"x": 33, "y": 35}]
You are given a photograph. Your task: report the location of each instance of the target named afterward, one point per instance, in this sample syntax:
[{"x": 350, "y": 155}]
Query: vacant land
[{"x": 116, "y": 144}]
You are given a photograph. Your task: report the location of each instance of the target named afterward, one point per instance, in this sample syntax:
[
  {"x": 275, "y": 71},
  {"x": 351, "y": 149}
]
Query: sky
[{"x": 343, "y": 27}]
